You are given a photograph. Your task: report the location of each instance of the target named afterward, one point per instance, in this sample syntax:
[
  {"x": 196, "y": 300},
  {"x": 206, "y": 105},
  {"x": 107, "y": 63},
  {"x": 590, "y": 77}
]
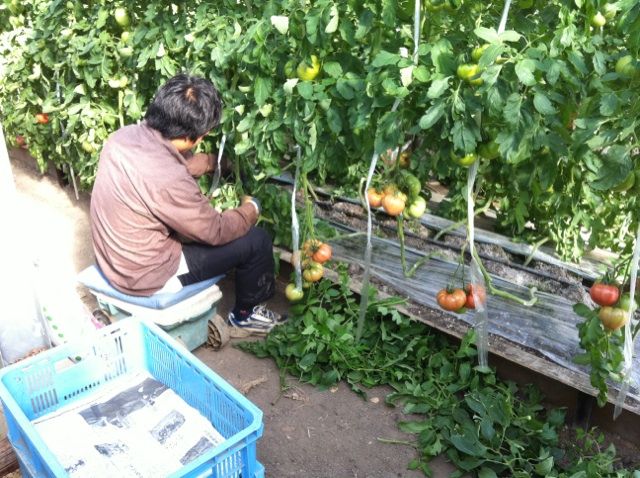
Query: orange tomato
[
  {"x": 322, "y": 254},
  {"x": 393, "y": 204},
  {"x": 375, "y": 197},
  {"x": 451, "y": 300},
  {"x": 42, "y": 118}
]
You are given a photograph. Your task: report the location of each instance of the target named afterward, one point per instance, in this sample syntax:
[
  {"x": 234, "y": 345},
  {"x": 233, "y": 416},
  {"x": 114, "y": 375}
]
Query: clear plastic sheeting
[{"x": 548, "y": 328}]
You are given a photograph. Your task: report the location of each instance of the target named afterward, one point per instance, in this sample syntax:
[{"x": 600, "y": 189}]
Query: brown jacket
[{"x": 142, "y": 199}]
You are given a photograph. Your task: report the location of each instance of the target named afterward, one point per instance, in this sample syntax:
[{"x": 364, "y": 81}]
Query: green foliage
[
  {"x": 485, "y": 426},
  {"x": 603, "y": 351}
]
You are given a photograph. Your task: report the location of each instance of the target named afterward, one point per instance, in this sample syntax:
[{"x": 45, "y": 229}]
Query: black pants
[{"x": 252, "y": 258}]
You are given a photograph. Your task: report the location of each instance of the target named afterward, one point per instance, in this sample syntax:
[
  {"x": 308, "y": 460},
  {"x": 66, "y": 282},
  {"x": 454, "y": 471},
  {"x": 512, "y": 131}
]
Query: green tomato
[
  {"x": 598, "y": 20},
  {"x": 293, "y": 293},
  {"x": 610, "y": 11},
  {"x": 121, "y": 17},
  {"x": 308, "y": 71},
  {"x": 466, "y": 161},
  {"x": 625, "y": 301},
  {"x": 626, "y": 184},
  {"x": 625, "y": 67},
  {"x": 125, "y": 36},
  {"x": 411, "y": 185},
  {"x": 477, "y": 52},
  {"x": 466, "y": 71},
  {"x": 125, "y": 52},
  {"x": 88, "y": 147},
  {"x": 489, "y": 150},
  {"x": 470, "y": 73},
  {"x": 525, "y": 3},
  {"x": 417, "y": 208}
]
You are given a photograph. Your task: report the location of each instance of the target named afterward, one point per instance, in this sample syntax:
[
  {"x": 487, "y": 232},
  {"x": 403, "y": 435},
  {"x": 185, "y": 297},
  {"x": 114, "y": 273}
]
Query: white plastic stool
[{"x": 184, "y": 314}]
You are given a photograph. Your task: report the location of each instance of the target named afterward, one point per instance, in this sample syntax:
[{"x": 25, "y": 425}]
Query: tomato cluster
[
  {"x": 459, "y": 300},
  {"x": 614, "y": 307},
  {"x": 315, "y": 254},
  {"x": 400, "y": 192}
]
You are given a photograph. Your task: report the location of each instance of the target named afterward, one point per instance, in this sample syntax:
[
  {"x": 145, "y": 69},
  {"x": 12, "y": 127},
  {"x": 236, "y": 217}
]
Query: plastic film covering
[{"x": 549, "y": 328}]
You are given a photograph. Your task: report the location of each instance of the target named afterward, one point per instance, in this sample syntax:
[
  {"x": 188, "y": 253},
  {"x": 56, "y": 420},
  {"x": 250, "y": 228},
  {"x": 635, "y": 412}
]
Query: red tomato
[
  {"x": 604, "y": 294},
  {"x": 21, "y": 141},
  {"x": 322, "y": 254},
  {"x": 479, "y": 291},
  {"x": 451, "y": 299}
]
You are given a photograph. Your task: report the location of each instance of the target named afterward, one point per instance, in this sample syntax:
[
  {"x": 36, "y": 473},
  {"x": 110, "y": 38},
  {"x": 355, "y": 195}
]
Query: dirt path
[{"x": 308, "y": 432}]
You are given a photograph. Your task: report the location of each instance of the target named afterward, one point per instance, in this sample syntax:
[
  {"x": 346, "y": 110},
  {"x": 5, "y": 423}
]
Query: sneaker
[{"x": 260, "y": 321}]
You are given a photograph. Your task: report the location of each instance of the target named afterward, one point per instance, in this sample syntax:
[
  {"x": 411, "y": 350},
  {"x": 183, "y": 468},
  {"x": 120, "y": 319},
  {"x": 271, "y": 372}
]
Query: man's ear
[{"x": 183, "y": 144}]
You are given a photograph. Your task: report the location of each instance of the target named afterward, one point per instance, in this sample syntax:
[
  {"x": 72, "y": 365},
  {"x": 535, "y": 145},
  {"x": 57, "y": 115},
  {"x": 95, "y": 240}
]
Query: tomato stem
[
  {"x": 500, "y": 293},
  {"x": 414, "y": 268}
]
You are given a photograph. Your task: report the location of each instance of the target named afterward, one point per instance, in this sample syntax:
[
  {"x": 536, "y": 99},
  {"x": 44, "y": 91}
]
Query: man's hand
[
  {"x": 252, "y": 200},
  {"x": 201, "y": 163}
]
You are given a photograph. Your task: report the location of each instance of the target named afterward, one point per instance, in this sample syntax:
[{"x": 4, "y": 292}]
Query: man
[{"x": 152, "y": 229}]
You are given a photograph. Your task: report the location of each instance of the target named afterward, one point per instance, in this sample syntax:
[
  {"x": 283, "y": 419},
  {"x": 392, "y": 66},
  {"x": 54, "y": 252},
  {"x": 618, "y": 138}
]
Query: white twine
[
  {"x": 364, "y": 291},
  {"x": 295, "y": 225},
  {"x": 216, "y": 174}
]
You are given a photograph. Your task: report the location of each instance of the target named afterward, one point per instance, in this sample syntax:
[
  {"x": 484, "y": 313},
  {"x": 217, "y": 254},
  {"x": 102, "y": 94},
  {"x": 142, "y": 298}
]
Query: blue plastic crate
[{"x": 44, "y": 383}]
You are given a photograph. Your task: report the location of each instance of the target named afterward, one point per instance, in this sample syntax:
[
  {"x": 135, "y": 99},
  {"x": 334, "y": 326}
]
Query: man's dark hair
[{"x": 185, "y": 106}]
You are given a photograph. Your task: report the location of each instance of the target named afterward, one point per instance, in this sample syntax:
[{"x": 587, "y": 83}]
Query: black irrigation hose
[
  {"x": 484, "y": 256},
  {"x": 331, "y": 204}
]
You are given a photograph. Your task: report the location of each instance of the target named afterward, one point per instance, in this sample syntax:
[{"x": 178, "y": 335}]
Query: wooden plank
[
  {"x": 498, "y": 346},
  {"x": 8, "y": 458}
]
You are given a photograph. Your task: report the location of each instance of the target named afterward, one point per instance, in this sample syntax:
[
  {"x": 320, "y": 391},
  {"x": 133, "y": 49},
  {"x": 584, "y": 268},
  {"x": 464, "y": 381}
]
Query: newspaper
[{"x": 136, "y": 428}]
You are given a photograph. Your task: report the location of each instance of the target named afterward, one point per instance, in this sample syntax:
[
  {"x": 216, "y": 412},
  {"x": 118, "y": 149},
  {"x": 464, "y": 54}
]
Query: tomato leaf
[
  {"x": 509, "y": 36},
  {"x": 432, "y": 116},
  {"x": 512, "y": 109},
  {"x": 385, "y": 58},
  {"x": 468, "y": 444},
  {"x": 614, "y": 168},
  {"x": 609, "y": 104},
  {"x": 262, "y": 90},
  {"x": 524, "y": 71},
  {"x": 332, "y": 26},
  {"x": 490, "y": 35},
  {"x": 438, "y": 87},
  {"x": 542, "y": 104},
  {"x": 463, "y": 137},
  {"x": 333, "y": 69}
]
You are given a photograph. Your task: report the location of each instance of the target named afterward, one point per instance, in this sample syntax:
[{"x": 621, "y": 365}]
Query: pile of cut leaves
[{"x": 485, "y": 426}]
